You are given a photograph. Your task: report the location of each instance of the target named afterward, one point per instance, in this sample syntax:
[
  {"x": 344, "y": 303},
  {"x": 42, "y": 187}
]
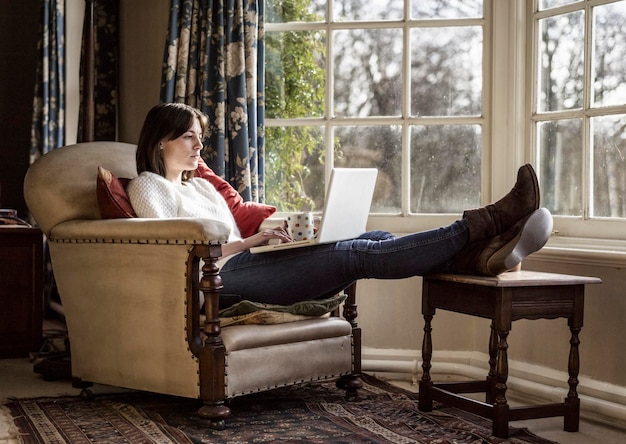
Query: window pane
[
  {"x": 374, "y": 147},
  {"x": 445, "y": 168},
  {"x": 441, "y": 69},
  {"x": 284, "y": 11},
  {"x": 446, "y": 71},
  {"x": 446, "y": 9},
  {"x": 294, "y": 74},
  {"x": 560, "y": 159},
  {"x": 354, "y": 10},
  {"x": 609, "y": 71},
  {"x": 547, "y": 4},
  {"x": 368, "y": 68},
  {"x": 561, "y": 62},
  {"x": 294, "y": 168},
  {"x": 609, "y": 166}
]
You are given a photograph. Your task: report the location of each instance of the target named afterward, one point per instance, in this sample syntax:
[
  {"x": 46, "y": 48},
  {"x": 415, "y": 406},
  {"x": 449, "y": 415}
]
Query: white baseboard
[{"x": 600, "y": 401}]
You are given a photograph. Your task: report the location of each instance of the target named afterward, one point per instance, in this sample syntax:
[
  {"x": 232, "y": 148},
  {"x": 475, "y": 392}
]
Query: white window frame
[
  {"x": 404, "y": 222},
  {"x": 574, "y": 240}
]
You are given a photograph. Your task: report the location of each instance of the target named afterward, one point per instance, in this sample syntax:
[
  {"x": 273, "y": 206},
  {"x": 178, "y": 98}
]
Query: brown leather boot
[
  {"x": 496, "y": 218},
  {"x": 505, "y": 251}
]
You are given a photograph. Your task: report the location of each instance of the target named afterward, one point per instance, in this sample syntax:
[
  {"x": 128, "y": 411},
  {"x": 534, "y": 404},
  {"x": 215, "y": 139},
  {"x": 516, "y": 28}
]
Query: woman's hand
[
  {"x": 260, "y": 238},
  {"x": 267, "y": 234}
]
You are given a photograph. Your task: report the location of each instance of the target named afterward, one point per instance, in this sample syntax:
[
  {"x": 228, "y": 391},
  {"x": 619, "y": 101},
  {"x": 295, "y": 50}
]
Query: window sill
[{"x": 585, "y": 251}]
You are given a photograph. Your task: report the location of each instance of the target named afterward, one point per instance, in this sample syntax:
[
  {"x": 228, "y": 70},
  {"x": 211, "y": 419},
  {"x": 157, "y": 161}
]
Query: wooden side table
[
  {"x": 503, "y": 299},
  {"x": 21, "y": 290}
]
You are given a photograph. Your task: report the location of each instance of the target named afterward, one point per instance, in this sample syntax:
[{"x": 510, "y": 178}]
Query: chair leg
[
  {"x": 351, "y": 384},
  {"x": 212, "y": 390},
  {"x": 84, "y": 386},
  {"x": 216, "y": 413}
]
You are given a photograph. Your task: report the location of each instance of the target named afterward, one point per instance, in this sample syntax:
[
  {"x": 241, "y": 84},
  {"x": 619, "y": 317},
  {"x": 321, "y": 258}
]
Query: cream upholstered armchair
[{"x": 131, "y": 294}]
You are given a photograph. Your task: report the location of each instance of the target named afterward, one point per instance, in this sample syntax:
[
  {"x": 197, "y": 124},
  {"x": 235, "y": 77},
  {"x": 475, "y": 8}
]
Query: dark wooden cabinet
[{"x": 21, "y": 290}]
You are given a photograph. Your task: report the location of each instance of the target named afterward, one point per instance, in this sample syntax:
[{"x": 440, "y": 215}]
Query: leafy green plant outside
[{"x": 294, "y": 88}]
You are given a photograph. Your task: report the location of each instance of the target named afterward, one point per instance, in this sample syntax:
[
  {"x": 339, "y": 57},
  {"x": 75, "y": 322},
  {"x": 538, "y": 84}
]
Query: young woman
[{"x": 487, "y": 240}]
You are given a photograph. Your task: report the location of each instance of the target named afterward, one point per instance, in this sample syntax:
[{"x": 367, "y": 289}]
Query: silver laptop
[{"x": 346, "y": 208}]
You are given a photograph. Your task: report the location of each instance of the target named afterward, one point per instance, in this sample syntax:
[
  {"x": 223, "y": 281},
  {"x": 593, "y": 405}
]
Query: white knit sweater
[{"x": 151, "y": 195}]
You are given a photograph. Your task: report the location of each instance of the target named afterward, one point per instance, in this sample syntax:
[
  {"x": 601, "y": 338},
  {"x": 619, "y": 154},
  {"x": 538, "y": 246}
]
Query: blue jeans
[{"x": 288, "y": 276}]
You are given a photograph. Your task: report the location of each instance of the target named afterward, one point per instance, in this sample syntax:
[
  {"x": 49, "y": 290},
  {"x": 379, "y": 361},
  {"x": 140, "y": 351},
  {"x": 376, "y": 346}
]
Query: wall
[
  {"x": 143, "y": 30},
  {"x": 74, "y": 15}
]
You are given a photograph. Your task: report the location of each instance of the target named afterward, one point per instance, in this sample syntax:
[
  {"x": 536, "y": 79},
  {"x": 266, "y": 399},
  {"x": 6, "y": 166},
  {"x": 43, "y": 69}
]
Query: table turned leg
[
  {"x": 490, "y": 395},
  {"x": 501, "y": 407},
  {"x": 572, "y": 402},
  {"x": 425, "y": 401}
]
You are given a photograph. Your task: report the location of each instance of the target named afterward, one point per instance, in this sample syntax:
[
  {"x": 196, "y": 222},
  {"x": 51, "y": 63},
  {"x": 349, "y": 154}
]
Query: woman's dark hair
[{"x": 166, "y": 121}]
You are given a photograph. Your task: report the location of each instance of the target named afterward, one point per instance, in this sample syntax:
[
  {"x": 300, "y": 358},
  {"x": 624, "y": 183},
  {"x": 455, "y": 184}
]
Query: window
[
  {"x": 394, "y": 84},
  {"x": 579, "y": 114}
]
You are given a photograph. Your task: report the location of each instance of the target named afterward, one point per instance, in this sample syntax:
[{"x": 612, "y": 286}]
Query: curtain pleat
[
  {"x": 106, "y": 55},
  {"x": 214, "y": 61},
  {"x": 48, "y": 123}
]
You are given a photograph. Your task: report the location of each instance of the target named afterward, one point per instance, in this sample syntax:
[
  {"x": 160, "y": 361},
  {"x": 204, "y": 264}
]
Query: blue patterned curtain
[
  {"x": 105, "y": 69},
  {"x": 214, "y": 61},
  {"x": 48, "y": 127}
]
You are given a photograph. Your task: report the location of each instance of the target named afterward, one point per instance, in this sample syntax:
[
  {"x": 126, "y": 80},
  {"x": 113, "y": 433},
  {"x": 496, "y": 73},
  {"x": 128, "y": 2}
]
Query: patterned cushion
[
  {"x": 316, "y": 307},
  {"x": 248, "y": 312},
  {"x": 264, "y": 317}
]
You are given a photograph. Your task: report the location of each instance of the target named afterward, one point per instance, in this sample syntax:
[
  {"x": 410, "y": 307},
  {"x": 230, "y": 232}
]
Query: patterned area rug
[{"x": 306, "y": 413}]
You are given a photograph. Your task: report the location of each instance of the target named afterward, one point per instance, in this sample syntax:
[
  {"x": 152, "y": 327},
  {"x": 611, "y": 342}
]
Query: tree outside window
[{"x": 355, "y": 84}]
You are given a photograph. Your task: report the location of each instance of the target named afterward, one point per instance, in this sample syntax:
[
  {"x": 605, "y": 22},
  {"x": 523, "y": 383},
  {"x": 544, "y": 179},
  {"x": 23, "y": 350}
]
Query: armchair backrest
[{"x": 61, "y": 185}]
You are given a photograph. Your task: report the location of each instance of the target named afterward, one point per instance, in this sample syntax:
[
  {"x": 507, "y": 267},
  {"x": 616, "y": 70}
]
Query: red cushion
[
  {"x": 112, "y": 198},
  {"x": 248, "y": 215}
]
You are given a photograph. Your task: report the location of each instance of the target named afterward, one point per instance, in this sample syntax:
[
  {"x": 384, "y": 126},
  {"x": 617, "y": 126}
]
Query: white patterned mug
[{"x": 300, "y": 226}]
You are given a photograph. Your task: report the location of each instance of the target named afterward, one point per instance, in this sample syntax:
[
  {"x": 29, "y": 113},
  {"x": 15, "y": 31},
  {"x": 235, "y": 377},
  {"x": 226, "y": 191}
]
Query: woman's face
[{"x": 183, "y": 153}]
